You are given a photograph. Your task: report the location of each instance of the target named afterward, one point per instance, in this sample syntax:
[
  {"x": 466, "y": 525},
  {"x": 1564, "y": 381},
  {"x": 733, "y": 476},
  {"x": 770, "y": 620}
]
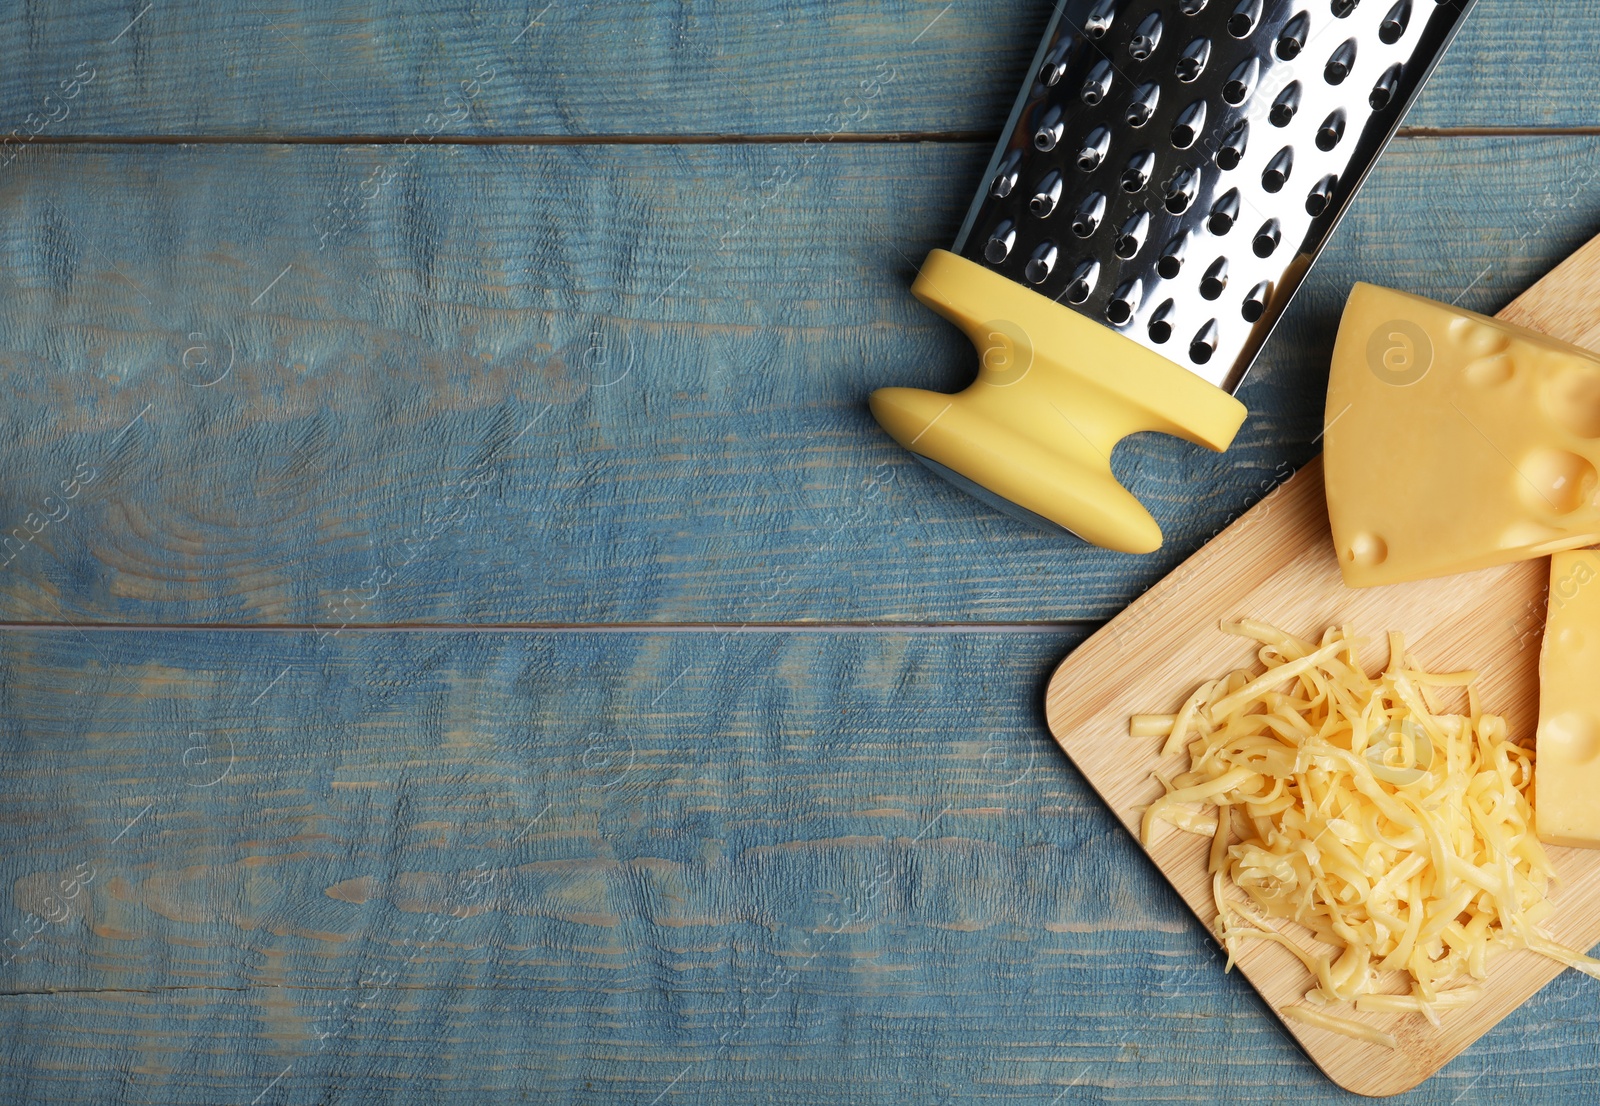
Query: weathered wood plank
[
  {"x": 787, "y": 867},
  {"x": 1082, "y": 1035},
  {"x": 600, "y": 384},
  {"x": 658, "y": 68}
]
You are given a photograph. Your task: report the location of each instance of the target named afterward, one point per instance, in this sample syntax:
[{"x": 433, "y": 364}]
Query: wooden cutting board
[{"x": 1277, "y": 564}]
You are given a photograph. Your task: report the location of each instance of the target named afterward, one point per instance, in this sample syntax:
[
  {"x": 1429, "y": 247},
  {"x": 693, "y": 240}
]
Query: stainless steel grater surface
[{"x": 1173, "y": 167}]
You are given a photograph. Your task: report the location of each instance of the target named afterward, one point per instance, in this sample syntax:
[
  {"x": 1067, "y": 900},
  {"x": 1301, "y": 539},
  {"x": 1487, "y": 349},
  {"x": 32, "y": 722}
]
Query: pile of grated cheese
[{"x": 1400, "y": 836}]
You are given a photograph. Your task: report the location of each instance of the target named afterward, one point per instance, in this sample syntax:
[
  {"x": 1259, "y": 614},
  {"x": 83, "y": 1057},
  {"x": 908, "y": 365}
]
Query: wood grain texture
[
  {"x": 791, "y": 867},
  {"x": 329, "y": 388},
  {"x": 1278, "y": 565},
  {"x": 604, "y": 67}
]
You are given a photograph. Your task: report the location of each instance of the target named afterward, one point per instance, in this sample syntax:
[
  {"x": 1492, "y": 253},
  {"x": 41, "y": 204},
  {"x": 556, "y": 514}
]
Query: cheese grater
[{"x": 1169, "y": 173}]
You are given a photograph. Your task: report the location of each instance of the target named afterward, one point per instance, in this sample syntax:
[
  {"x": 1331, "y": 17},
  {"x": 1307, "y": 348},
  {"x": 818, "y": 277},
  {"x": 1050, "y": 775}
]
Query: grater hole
[
  {"x": 1223, "y": 213},
  {"x": 1094, "y": 149},
  {"x": 1383, "y": 92},
  {"x": 1125, "y": 302},
  {"x": 1189, "y": 125},
  {"x": 1331, "y": 133},
  {"x": 1098, "y": 85},
  {"x": 998, "y": 247},
  {"x": 1233, "y": 147},
  {"x": 1089, "y": 214},
  {"x": 1342, "y": 62},
  {"x": 1042, "y": 263},
  {"x": 1055, "y": 65},
  {"x": 1130, "y": 239},
  {"x": 1344, "y": 9},
  {"x": 1393, "y": 27},
  {"x": 1204, "y": 346},
  {"x": 1100, "y": 19},
  {"x": 1046, "y": 196},
  {"x": 1286, "y": 106},
  {"x": 1255, "y": 304},
  {"x": 1277, "y": 172},
  {"x": 1171, "y": 263},
  {"x": 1137, "y": 174},
  {"x": 1246, "y": 14},
  {"x": 1143, "y": 106},
  {"x": 1292, "y": 39},
  {"x": 1005, "y": 181},
  {"x": 1083, "y": 280},
  {"x": 1049, "y": 130},
  {"x": 1215, "y": 282},
  {"x": 1192, "y": 7},
  {"x": 1181, "y": 194},
  {"x": 1147, "y": 39},
  {"x": 1322, "y": 195},
  {"x": 1267, "y": 238},
  {"x": 1194, "y": 60},
  {"x": 1161, "y": 323},
  {"x": 1242, "y": 82}
]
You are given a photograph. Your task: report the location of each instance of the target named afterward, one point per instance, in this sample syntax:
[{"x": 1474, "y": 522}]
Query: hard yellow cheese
[
  {"x": 1567, "y": 771},
  {"x": 1455, "y": 441}
]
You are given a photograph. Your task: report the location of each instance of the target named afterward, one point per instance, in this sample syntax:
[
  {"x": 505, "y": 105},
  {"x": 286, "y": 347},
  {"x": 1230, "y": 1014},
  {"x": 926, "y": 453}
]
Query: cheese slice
[
  {"x": 1567, "y": 772},
  {"x": 1455, "y": 441}
]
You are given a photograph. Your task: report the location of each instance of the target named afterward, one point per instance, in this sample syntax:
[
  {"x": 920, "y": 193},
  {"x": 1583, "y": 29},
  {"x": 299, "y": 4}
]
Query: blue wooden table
[{"x": 467, "y": 640}]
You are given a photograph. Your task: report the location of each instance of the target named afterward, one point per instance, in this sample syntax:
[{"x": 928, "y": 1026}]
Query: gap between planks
[
  {"x": 1065, "y": 626},
  {"x": 863, "y": 138},
  {"x": 849, "y": 138}
]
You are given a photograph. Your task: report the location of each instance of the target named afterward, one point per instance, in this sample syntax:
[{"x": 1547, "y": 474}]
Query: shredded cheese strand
[{"x": 1334, "y": 1024}]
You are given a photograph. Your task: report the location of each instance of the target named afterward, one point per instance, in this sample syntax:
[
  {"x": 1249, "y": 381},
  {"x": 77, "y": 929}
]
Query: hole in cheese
[
  {"x": 1571, "y": 738},
  {"x": 1491, "y": 372},
  {"x": 1556, "y": 480},
  {"x": 1571, "y": 398},
  {"x": 1368, "y": 550},
  {"x": 1477, "y": 339}
]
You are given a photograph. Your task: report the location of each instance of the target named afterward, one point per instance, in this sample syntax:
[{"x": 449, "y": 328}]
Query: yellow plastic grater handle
[{"x": 1055, "y": 393}]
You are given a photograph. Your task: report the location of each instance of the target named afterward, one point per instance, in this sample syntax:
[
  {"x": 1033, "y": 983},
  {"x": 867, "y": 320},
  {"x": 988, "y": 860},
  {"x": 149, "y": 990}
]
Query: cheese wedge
[
  {"x": 1567, "y": 772},
  {"x": 1455, "y": 441}
]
